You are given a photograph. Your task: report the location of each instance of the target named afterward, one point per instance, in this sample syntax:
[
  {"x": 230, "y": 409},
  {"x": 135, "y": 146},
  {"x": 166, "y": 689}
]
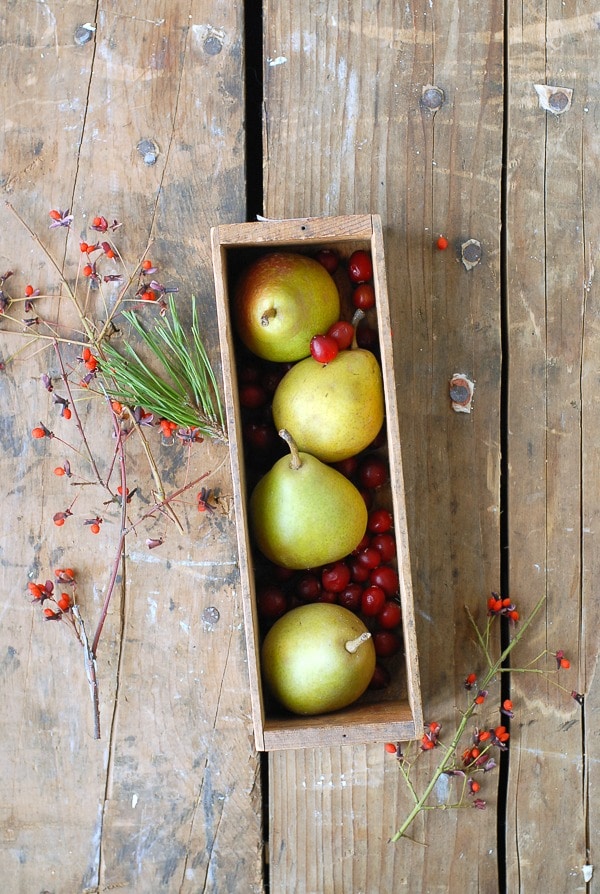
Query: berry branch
[
  {"x": 478, "y": 757},
  {"x": 173, "y": 389}
]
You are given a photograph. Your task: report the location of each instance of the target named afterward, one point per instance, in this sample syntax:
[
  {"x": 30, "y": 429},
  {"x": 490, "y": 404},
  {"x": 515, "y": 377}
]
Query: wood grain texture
[
  {"x": 553, "y": 410},
  {"x": 345, "y": 132},
  {"x": 169, "y": 798}
]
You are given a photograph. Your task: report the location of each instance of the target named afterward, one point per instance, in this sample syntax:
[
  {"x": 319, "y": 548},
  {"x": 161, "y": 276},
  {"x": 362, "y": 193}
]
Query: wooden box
[{"x": 393, "y": 714}]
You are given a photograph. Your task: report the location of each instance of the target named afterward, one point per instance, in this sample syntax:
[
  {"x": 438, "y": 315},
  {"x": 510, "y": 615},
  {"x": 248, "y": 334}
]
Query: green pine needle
[{"x": 185, "y": 391}]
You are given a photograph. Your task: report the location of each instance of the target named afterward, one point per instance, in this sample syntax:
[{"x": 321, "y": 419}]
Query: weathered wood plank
[
  {"x": 345, "y": 132},
  {"x": 169, "y": 798},
  {"x": 553, "y": 411}
]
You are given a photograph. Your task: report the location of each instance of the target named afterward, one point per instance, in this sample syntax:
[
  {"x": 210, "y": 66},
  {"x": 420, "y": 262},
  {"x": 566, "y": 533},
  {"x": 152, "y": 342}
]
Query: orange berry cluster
[{"x": 44, "y": 592}]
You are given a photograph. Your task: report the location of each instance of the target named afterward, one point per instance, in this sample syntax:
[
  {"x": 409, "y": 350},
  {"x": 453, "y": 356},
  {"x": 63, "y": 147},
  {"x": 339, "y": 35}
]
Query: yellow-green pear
[
  {"x": 303, "y": 513},
  {"x": 332, "y": 410},
  {"x": 282, "y": 299},
  {"x": 318, "y": 658}
]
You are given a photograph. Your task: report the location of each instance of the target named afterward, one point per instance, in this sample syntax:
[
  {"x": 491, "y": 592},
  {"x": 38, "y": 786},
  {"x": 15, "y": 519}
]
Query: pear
[
  {"x": 318, "y": 658},
  {"x": 332, "y": 410},
  {"x": 281, "y": 300},
  {"x": 303, "y": 513}
]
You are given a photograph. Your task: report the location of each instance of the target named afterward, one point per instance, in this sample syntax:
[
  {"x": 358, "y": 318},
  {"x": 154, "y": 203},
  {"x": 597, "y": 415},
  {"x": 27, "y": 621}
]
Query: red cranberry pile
[{"x": 366, "y": 582}]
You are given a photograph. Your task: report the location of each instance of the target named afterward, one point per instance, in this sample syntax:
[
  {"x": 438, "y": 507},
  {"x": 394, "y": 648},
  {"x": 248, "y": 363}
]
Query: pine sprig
[{"x": 185, "y": 390}]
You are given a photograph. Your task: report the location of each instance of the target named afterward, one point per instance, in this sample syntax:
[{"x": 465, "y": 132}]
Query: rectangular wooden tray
[{"x": 393, "y": 714}]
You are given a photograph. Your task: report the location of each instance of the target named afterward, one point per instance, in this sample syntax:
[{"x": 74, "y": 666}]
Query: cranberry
[
  {"x": 324, "y": 348},
  {"x": 252, "y": 396},
  {"x": 386, "y": 544},
  {"x": 350, "y": 597},
  {"x": 364, "y": 543},
  {"x": 372, "y": 601},
  {"x": 390, "y": 615},
  {"x": 343, "y": 333},
  {"x": 271, "y": 602},
  {"x": 380, "y": 521},
  {"x": 358, "y": 571},
  {"x": 347, "y": 466},
  {"x": 335, "y": 577},
  {"x": 308, "y": 587},
  {"x": 260, "y": 436},
  {"x": 386, "y": 643},
  {"x": 381, "y": 677},
  {"x": 385, "y": 577},
  {"x": 360, "y": 267},
  {"x": 366, "y": 337},
  {"x": 372, "y": 471},
  {"x": 271, "y": 378},
  {"x": 364, "y": 296},
  {"x": 328, "y": 258},
  {"x": 369, "y": 557}
]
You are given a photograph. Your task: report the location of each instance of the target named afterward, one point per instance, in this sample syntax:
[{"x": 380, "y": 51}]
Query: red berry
[
  {"x": 386, "y": 544},
  {"x": 372, "y": 601},
  {"x": 252, "y": 396},
  {"x": 369, "y": 557},
  {"x": 360, "y": 268},
  {"x": 87, "y": 270},
  {"x": 442, "y": 243},
  {"x": 147, "y": 264},
  {"x": 364, "y": 543},
  {"x": 328, "y": 258},
  {"x": 380, "y": 521},
  {"x": 386, "y": 643},
  {"x": 64, "y": 603},
  {"x": 358, "y": 571},
  {"x": 347, "y": 466},
  {"x": 381, "y": 677},
  {"x": 366, "y": 337},
  {"x": 271, "y": 602},
  {"x": 324, "y": 348},
  {"x": 29, "y": 291},
  {"x": 385, "y": 577},
  {"x": 260, "y": 436},
  {"x": 350, "y": 597},
  {"x": 373, "y": 471},
  {"x": 308, "y": 587},
  {"x": 95, "y": 528},
  {"x": 38, "y": 432},
  {"x": 343, "y": 333},
  {"x": 390, "y": 615},
  {"x": 335, "y": 577},
  {"x": 364, "y": 296},
  {"x": 390, "y": 748}
]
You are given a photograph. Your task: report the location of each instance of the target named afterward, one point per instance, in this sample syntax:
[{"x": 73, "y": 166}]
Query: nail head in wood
[
  {"x": 149, "y": 151},
  {"x": 83, "y": 34},
  {"x": 432, "y": 97},
  {"x": 554, "y": 99},
  {"x": 471, "y": 253}
]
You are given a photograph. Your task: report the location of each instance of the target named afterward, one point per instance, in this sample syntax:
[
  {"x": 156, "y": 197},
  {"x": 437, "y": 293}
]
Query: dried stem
[
  {"x": 76, "y": 416},
  {"x": 494, "y": 668}
]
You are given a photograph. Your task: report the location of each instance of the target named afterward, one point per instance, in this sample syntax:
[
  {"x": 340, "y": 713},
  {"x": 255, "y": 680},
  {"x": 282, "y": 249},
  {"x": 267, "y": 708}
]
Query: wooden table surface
[{"x": 175, "y": 116}]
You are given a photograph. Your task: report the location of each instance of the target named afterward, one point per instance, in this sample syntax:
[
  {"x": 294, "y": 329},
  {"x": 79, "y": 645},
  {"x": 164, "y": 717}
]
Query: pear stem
[
  {"x": 295, "y": 461},
  {"x": 358, "y": 315},
  {"x": 267, "y": 316},
  {"x": 353, "y": 645}
]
